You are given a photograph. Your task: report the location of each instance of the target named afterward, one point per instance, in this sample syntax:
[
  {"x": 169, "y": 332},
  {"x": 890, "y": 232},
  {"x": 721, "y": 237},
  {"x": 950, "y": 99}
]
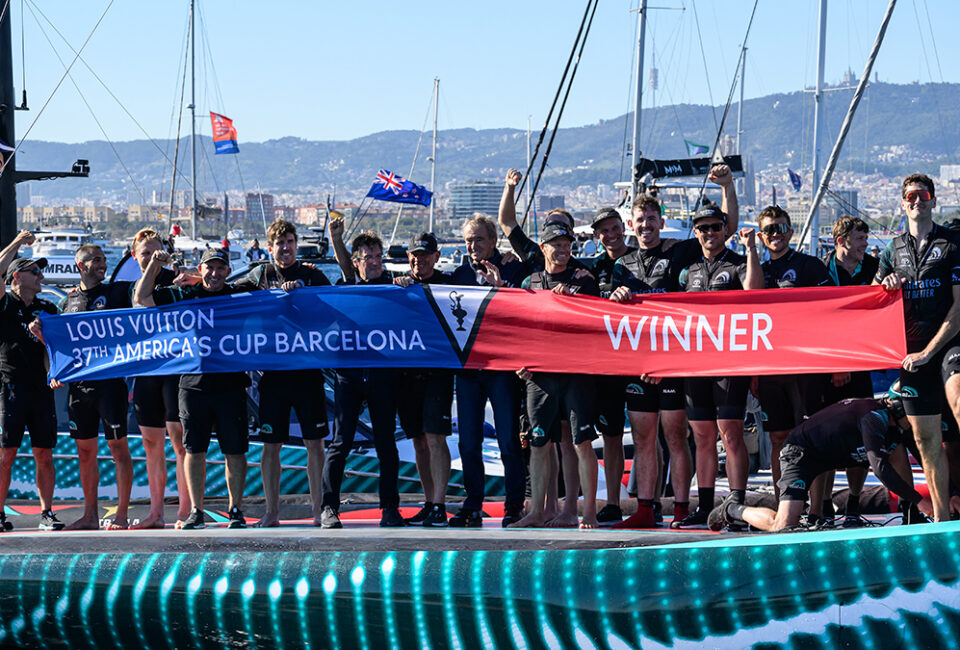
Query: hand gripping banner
[{"x": 775, "y": 331}]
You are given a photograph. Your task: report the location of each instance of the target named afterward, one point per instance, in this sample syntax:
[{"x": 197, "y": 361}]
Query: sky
[{"x": 323, "y": 70}]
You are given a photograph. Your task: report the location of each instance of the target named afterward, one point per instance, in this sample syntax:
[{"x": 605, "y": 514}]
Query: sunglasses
[
  {"x": 710, "y": 227},
  {"x": 33, "y": 270},
  {"x": 913, "y": 195},
  {"x": 775, "y": 229}
]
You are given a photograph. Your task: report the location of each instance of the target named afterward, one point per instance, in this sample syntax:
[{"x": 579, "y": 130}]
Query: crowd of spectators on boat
[{"x": 545, "y": 423}]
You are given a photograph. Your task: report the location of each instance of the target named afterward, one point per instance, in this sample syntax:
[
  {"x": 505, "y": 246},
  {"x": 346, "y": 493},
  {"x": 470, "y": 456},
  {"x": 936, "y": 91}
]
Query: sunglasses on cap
[
  {"x": 710, "y": 227},
  {"x": 775, "y": 229},
  {"x": 914, "y": 195}
]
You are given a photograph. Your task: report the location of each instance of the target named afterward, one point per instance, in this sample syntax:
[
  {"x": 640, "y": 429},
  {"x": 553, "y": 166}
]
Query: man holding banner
[
  {"x": 718, "y": 403},
  {"x": 283, "y": 390},
  {"x": 208, "y": 401}
]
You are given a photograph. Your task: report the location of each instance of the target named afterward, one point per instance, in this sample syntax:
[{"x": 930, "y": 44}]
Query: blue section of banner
[
  {"x": 342, "y": 327},
  {"x": 225, "y": 146}
]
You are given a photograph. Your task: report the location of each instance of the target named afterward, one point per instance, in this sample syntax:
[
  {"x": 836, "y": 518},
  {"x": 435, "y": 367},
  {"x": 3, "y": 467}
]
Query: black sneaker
[
  {"x": 194, "y": 521},
  {"x": 467, "y": 518},
  {"x": 436, "y": 517},
  {"x": 696, "y": 518},
  {"x": 609, "y": 514},
  {"x": 329, "y": 518},
  {"x": 417, "y": 519},
  {"x": 48, "y": 521},
  {"x": 236, "y": 518},
  {"x": 391, "y": 518},
  {"x": 6, "y": 526},
  {"x": 718, "y": 517},
  {"x": 511, "y": 514},
  {"x": 852, "y": 521}
]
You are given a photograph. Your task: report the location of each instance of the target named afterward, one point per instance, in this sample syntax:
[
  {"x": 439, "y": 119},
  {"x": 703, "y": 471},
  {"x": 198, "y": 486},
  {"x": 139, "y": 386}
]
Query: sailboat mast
[
  {"x": 743, "y": 72},
  {"x": 817, "y": 108},
  {"x": 433, "y": 155},
  {"x": 193, "y": 125},
  {"x": 641, "y": 30}
]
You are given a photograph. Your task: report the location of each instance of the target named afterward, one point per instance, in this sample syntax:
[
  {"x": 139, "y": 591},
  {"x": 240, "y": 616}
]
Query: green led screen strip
[{"x": 889, "y": 587}]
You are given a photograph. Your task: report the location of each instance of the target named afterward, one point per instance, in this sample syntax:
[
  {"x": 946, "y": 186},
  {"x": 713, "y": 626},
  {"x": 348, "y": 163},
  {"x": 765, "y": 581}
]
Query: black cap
[
  {"x": 708, "y": 211},
  {"x": 605, "y": 213},
  {"x": 22, "y": 263},
  {"x": 424, "y": 242},
  {"x": 553, "y": 230},
  {"x": 215, "y": 254}
]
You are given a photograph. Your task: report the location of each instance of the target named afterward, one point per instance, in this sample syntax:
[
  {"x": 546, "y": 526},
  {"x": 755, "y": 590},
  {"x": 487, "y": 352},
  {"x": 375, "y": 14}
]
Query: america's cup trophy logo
[{"x": 458, "y": 312}]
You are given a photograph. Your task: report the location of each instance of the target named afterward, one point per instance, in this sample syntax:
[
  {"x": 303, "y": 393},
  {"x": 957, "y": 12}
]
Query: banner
[
  {"x": 686, "y": 167},
  {"x": 224, "y": 134},
  {"x": 773, "y": 331}
]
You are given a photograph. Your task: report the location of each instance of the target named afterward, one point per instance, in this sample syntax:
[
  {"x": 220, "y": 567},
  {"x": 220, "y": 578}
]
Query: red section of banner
[{"x": 775, "y": 331}]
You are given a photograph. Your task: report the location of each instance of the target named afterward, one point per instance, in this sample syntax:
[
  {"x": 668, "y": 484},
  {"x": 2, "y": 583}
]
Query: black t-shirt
[
  {"x": 106, "y": 295},
  {"x": 931, "y": 272},
  {"x": 211, "y": 381},
  {"x": 795, "y": 270},
  {"x": 724, "y": 273},
  {"x": 585, "y": 285},
  {"x": 853, "y": 432},
  {"x": 608, "y": 274},
  {"x": 654, "y": 270},
  {"x": 271, "y": 276},
  {"x": 862, "y": 275},
  {"x": 384, "y": 278},
  {"x": 526, "y": 249},
  {"x": 21, "y": 353}
]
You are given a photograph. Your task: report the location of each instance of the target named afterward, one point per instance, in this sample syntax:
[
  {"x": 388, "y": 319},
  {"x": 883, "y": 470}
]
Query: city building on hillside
[
  {"x": 61, "y": 215},
  {"x": 477, "y": 196},
  {"x": 260, "y": 207},
  {"x": 547, "y": 202}
]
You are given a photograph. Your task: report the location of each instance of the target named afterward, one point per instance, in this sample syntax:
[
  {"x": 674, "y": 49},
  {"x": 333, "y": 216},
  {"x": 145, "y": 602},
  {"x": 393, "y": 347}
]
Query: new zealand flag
[
  {"x": 794, "y": 179},
  {"x": 389, "y": 187}
]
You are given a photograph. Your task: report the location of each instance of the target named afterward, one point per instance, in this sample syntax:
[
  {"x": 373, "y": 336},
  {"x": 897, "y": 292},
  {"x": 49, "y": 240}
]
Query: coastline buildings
[{"x": 476, "y": 196}]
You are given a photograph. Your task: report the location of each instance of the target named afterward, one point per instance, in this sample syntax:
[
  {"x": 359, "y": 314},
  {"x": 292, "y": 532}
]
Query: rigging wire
[
  {"x": 556, "y": 125},
  {"x": 39, "y": 11},
  {"x": 176, "y": 147},
  {"x": 93, "y": 114},
  {"x": 413, "y": 165},
  {"x": 703, "y": 55},
  {"x": 626, "y": 114},
  {"x": 546, "y": 122},
  {"x": 59, "y": 83}
]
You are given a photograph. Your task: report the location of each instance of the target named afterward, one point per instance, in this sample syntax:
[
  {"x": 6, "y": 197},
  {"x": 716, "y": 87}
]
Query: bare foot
[
  {"x": 179, "y": 524},
  {"x": 152, "y": 521},
  {"x": 118, "y": 524},
  {"x": 587, "y": 524},
  {"x": 269, "y": 521},
  {"x": 532, "y": 520},
  {"x": 85, "y": 523},
  {"x": 564, "y": 520}
]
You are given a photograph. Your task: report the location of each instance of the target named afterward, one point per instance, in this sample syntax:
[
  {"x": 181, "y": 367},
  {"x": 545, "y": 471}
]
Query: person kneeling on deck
[
  {"x": 207, "y": 401},
  {"x": 91, "y": 402},
  {"x": 553, "y": 396},
  {"x": 283, "y": 390},
  {"x": 26, "y": 401},
  {"x": 851, "y": 432}
]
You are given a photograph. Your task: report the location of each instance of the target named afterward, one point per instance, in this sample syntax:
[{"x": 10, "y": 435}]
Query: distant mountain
[{"x": 920, "y": 119}]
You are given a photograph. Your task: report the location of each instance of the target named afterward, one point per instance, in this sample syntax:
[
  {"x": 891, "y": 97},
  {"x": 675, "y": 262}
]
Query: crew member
[
  {"x": 208, "y": 401},
  {"x": 921, "y": 261},
  {"x": 718, "y": 403},
  {"x": 859, "y": 431},
  {"x": 93, "y": 402},
  {"x": 610, "y": 389},
  {"x": 523, "y": 246},
  {"x": 552, "y": 396},
  {"x": 26, "y": 401},
  {"x": 354, "y": 386},
  {"x": 485, "y": 266},
  {"x": 425, "y": 398},
  {"x": 283, "y": 390},
  {"x": 155, "y": 403},
  {"x": 786, "y": 399}
]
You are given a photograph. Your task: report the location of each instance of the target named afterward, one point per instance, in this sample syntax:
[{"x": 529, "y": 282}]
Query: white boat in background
[{"x": 59, "y": 246}]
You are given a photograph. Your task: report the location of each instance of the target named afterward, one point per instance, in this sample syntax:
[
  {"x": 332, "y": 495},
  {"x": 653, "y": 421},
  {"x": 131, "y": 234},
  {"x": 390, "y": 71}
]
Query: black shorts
[
  {"x": 716, "y": 398},
  {"x": 424, "y": 401},
  {"x": 610, "y": 399},
  {"x": 796, "y": 473},
  {"x": 859, "y": 386},
  {"x": 202, "y": 412},
  {"x": 27, "y": 407},
  {"x": 156, "y": 400},
  {"x": 104, "y": 401},
  {"x": 922, "y": 389},
  {"x": 552, "y": 397},
  {"x": 781, "y": 402},
  {"x": 279, "y": 396},
  {"x": 644, "y": 397}
]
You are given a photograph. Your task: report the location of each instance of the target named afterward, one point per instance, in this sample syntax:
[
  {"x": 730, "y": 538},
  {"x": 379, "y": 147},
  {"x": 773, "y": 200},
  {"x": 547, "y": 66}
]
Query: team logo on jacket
[
  {"x": 660, "y": 267},
  {"x": 722, "y": 278},
  {"x": 935, "y": 253},
  {"x": 789, "y": 276},
  {"x": 99, "y": 303},
  {"x": 634, "y": 389},
  {"x": 459, "y": 311}
]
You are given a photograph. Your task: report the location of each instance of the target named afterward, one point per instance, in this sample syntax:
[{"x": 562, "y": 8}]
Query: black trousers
[{"x": 376, "y": 387}]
